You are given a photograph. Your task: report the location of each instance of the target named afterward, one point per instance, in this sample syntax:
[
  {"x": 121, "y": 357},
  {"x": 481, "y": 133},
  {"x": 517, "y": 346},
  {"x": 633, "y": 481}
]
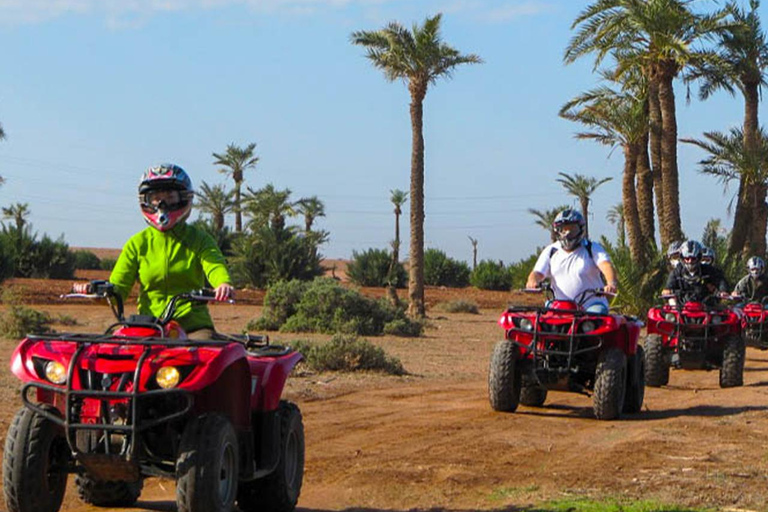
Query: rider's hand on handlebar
[
  {"x": 610, "y": 288},
  {"x": 532, "y": 283},
  {"x": 224, "y": 292},
  {"x": 724, "y": 295}
]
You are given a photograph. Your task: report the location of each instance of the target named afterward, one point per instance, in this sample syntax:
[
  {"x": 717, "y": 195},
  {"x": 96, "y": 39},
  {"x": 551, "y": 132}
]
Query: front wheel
[
  {"x": 279, "y": 491},
  {"x": 107, "y": 494},
  {"x": 732, "y": 370},
  {"x": 656, "y": 363},
  {"x": 207, "y": 467},
  {"x": 610, "y": 384},
  {"x": 35, "y": 463},
  {"x": 633, "y": 401},
  {"x": 504, "y": 379}
]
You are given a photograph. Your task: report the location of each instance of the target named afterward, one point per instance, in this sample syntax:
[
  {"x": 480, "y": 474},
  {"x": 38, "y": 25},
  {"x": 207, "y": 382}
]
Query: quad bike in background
[
  {"x": 143, "y": 400},
  {"x": 754, "y": 324},
  {"x": 694, "y": 335},
  {"x": 563, "y": 347}
]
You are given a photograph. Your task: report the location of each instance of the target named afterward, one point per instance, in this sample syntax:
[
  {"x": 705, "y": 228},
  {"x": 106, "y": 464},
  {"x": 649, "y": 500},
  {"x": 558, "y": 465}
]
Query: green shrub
[
  {"x": 519, "y": 271},
  {"x": 490, "y": 275},
  {"x": 348, "y": 353},
  {"x": 404, "y": 327},
  {"x": 19, "y": 320},
  {"x": 107, "y": 263},
  {"x": 639, "y": 287},
  {"x": 371, "y": 268},
  {"x": 86, "y": 260},
  {"x": 7, "y": 266},
  {"x": 459, "y": 306},
  {"x": 324, "y": 306},
  {"x": 280, "y": 303},
  {"x": 440, "y": 270}
]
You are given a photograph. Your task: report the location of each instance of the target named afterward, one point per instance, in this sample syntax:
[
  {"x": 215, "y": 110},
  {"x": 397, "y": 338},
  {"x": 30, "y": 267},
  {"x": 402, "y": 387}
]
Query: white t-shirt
[{"x": 571, "y": 273}]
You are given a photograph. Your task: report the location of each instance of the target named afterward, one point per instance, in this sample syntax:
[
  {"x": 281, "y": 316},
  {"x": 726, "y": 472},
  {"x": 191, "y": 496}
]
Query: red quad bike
[
  {"x": 561, "y": 346},
  {"x": 143, "y": 400},
  {"x": 754, "y": 324},
  {"x": 693, "y": 336}
]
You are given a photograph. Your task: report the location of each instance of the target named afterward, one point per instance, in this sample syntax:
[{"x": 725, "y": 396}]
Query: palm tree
[
  {"x": 621, "y": 119},
  {"x": 2, "y": 136},
  {"x": 268, "y": 207},
  {"x": 581, "y": 187},
  {"x": 742, "y": 59},
  {"x": 474, "y": 251},
  {"x": 656, "y": 36},
  {"x": 398, "y": 198},
  {"x": 615, "y": 216},
  {"x": 419, "y": 57},
  {"x": 216, "y": 202},
  {"x": 19, "y": 213},
  {"x": 235, "y": 161},
  {"x": 729, "y": 160},
  {"x": 545, "y": 219},
  {"x": 311, "y": 208}
]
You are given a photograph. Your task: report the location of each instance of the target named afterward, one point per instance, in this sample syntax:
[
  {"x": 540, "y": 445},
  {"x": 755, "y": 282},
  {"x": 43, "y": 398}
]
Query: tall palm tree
[
  {"x": 235, "y": 161},
  {"x": 419, "y": 57},
  {"x": 398, "y": 198},
  {"x": 473, "y": 241},
  {"x": 581, "y": 187},
  {"x": 268, "y": 207},
  {"x": 311, "y": 208},
  {"x": 620, "y": 119},
  {"x": 216, "y": 202},
  {"x": 656, "y": 36},
  {"x": 545, "y": 219},
  {"x": 615, "y": 216},
  {"x": 729, "y": 160},
  {"x": 742, "y": 61}
]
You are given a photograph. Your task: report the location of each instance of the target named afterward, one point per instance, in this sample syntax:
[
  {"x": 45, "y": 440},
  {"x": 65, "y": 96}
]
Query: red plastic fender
[{"x": 268, "y": 376}]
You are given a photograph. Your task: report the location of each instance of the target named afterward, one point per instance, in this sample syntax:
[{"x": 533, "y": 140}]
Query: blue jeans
[{"x": 598, "y": 307}]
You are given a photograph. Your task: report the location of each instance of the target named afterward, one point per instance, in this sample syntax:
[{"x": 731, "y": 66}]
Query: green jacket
[{"x": 166, "y": 264}]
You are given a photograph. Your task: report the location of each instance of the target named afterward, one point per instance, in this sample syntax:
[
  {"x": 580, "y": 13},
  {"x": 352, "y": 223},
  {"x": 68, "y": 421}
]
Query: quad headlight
[
  {"x": 55, "y": 372},
  {"x": 168, "y": 377},
  {"x": 526, "y": 324},
  {"x": 670, "y": 317},
  {"x": 588, "y": 326},
  {"x": 716, "y": 319}
]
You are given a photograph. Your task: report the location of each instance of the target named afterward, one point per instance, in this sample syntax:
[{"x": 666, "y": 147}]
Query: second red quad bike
[
  {"x": 143, "y": 400},
  {"x": 694, "y": 335},
  {"x": 564, "y": 347}
]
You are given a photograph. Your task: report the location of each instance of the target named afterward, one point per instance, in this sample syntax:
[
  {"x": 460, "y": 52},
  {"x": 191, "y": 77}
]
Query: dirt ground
[{"x": 430, "y": 441}]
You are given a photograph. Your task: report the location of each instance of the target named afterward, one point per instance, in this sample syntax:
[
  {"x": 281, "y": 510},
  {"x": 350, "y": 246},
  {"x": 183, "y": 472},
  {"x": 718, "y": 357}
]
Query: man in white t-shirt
[{"x": 574, "y": 264}]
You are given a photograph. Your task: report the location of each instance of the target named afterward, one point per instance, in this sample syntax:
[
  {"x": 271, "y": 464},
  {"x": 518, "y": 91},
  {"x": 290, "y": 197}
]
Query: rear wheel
[
  {"x": 279, "y": 491},
  {"x": 656, "y": 364},
  {"x": 732, "y": 370},
  {"x": 207, "y": 467},
  {"x": 610, "y": 384},
  {"x": 35, "y": 463},
  {"x": 504, "y": 381},
  {"x": 633, "y": 401},
  {"x": 107, "y": 494}
]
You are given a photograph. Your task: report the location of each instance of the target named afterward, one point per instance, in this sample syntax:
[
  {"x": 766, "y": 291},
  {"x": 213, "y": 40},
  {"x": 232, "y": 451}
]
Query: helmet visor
[
  {"x": 568, "y": 230},
  {"x": 163, "y": 199}
]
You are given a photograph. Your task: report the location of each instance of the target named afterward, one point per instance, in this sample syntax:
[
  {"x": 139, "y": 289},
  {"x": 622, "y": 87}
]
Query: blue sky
[{"x": 95, "y": 91}]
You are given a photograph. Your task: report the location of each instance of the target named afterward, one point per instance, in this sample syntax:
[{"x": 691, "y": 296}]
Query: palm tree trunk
[
  {"x": 654, "y": 118},
  {"x": 416, "y": 271},
  {"x": 669, "y": 171},
  {"x": 392, "y": 278},
  {"x": 584, "y": 201},
  {"x": 756, "y": 241},
  {"x": 740, "y": 230},
  {"x": 238, "y": 211},
  {"x": 629, "y": 200},
  {"x": 645, "y": 193}
]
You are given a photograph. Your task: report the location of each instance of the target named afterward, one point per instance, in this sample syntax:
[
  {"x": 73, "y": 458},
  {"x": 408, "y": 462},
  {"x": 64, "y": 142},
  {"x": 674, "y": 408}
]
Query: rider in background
[
  {"x": 575, "y": 264},
  {"x": 673, "y": 254},
  {"x": 691, "y": 280},
  {"x": 170, "y": 256},
  {"x": 754, "y": 286}
]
